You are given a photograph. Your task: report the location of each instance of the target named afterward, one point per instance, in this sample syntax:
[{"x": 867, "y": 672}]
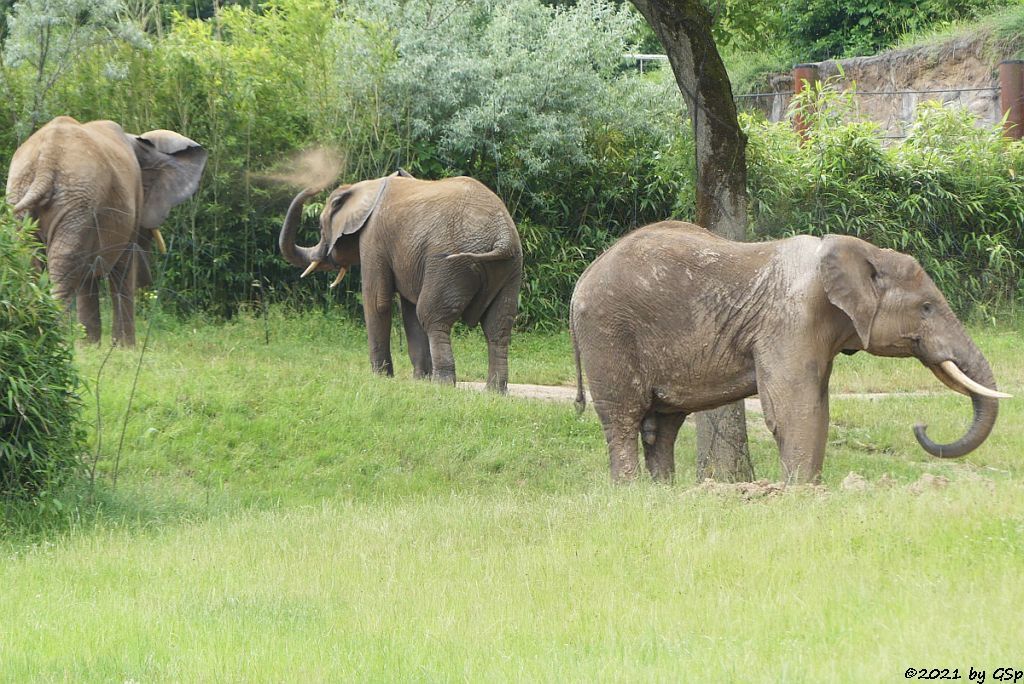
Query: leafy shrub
[
  {"x": 40, "y": 434},
  {"x": 949, "y": 194},
  {"x": 532, "y": 100},
  {"x": 823, "y": 29}
]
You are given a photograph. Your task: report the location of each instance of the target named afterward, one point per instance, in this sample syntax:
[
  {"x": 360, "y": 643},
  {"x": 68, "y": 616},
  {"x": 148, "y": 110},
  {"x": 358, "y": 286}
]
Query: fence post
[
  {"x": 804, "y": 76},
  {"x": 1011, "y": 96}
]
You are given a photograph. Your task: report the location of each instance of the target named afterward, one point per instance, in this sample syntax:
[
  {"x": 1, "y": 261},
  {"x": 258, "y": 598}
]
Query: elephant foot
[
  {"x": 444, "y": 378},
  {"x": 499, "y": 387}
]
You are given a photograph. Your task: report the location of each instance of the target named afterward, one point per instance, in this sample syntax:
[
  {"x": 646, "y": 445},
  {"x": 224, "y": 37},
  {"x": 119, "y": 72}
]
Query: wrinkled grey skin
[
  {"x": 673, "y": 319},
  {"x": 448, "y": 248},
  {"x": 97, "y": 194}
]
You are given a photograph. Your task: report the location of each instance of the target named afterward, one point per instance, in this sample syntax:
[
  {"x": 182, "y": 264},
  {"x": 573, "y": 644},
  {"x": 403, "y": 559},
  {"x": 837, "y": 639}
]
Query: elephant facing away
[
  {"x": 673, "y": 319},
  {"x": 99, "y": 196},
  {"x": 449, "y": 248}
]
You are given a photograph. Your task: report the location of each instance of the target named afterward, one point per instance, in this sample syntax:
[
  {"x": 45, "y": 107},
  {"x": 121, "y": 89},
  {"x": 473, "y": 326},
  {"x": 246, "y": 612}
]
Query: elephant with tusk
[
  {"x": 673, "y": 319},
  {"x": 99, "y": 196},
  {"x": 449, "y": 248}
]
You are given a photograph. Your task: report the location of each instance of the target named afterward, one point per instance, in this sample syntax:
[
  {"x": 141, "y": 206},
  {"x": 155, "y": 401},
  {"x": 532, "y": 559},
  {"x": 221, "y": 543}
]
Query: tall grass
[{"x": 280, "y": 513}]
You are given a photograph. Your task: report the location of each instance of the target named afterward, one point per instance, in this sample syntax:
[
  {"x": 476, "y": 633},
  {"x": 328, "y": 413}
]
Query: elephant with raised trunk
[
  {"x": 448, "y": 248},
  {"x": 99, "y": 196},
  {"x": 673, "y": 319}
]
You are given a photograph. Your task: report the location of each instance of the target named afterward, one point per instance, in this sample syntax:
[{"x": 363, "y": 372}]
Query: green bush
[
  {"x": 534, "y": 101},
  {"x": 823, "y": 29},
  {"x": 949, "y": 194},
  {"x": 41, "y": 439}
]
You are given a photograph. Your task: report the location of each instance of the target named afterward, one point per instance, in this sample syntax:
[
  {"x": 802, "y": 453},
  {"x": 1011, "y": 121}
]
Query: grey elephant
[
  {"x": 99, "y": 196},
  {"x": 449, "y": 248},
  {"x": 673, "y": 319}
]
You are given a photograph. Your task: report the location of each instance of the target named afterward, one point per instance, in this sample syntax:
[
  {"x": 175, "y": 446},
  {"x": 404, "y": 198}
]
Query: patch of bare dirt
[
  {"x": 928, "y": 482},
  {"x": 759, "y": 489}
]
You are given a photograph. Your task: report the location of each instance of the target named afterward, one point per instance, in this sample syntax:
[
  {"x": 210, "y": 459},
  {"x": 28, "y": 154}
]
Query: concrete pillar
[
  {"x": 1011, "y": 96},
  {"x": 804, "y": 76}
]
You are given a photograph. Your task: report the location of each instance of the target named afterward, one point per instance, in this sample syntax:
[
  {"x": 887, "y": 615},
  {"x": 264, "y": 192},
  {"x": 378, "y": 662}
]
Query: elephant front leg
[
  {"x": 377, "y": 310},
  {"x": 659, "y": 431},
  {"x": 419, "y": 345},
  {"x": 796, "y": 411}
]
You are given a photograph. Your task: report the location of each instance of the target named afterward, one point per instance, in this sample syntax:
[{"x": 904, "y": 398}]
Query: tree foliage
[
  {"x": 533, "y": 100},
  {"x": 823, "y": 29}
]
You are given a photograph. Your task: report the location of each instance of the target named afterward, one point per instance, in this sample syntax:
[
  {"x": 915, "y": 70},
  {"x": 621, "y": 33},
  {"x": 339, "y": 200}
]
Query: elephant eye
[{"x": 927, "y": 308}]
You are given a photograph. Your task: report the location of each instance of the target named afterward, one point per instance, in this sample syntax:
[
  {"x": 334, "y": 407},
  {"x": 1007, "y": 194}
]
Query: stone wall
[{"x": 889, "y": 86}]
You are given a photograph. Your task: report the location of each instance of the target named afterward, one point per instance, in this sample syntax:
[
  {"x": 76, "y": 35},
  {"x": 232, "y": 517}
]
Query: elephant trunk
[
  {"x": 300, "y": 257},
  {"x": 986, "y": 406}
]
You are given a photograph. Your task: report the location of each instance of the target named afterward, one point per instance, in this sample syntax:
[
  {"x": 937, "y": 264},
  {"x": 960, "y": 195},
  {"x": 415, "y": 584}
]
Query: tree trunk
[{"x": 684, "y": 28}]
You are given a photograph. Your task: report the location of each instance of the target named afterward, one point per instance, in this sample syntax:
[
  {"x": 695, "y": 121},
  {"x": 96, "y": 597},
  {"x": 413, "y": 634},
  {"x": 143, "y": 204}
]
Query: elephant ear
[
  {"x": 352, "y": 207},
  {"x": 850, "y": 275},
  {"x": 171, "y": 168}
]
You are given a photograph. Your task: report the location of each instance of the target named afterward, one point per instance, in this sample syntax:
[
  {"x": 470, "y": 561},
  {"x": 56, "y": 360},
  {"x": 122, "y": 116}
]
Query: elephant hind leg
[
  {"x": 443, "y": 297},
  {"x": 621, "y": 431},
  {"x": 441, "y": 357},
  {"x": 122, "y": 299},
  {"x": 660, "y": 431},
  {"x": 88, "y": 305},
  {"x": 497, "y": 326}
]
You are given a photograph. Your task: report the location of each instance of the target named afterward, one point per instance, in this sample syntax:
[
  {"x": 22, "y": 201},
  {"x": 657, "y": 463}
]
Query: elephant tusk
[
  {"x": 948, "y": 381},
  {"x": 310, "y": 268},
  {"x": 341, "y": 274},
  {"x": 161, "y": 246},
  {"x": 957, "y": 375}
]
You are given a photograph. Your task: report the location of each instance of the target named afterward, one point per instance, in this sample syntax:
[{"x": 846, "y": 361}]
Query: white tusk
[
  {"x": 954, "y": 372},
  {"x": 310, "y": 268},
  {"x": 161, "y": 246},
  {"x": 341, "y": 274}
]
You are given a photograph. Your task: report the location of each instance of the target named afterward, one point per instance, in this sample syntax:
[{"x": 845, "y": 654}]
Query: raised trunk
[
  {"x": 985, "y": 411},
  {"x": 300, "y": 257}
]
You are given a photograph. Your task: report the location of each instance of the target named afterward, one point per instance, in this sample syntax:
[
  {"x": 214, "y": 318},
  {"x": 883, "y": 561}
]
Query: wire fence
[{"x": 893, "y": 115}]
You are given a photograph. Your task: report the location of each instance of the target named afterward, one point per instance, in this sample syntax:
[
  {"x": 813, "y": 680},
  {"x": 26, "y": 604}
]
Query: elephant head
[
  {"x": 345, "y": 213},
  {"x": 896, "y": 310}
]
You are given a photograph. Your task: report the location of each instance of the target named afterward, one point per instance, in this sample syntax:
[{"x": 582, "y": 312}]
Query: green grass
[{"x": 281, "y": 514}]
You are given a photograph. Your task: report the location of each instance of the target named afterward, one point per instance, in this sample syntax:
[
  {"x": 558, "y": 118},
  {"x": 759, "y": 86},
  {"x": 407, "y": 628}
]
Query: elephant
[
  {"x": 99, "y": 196},
  {"x": 448, "y": 247},
  {"x": 673, "y": 319}
]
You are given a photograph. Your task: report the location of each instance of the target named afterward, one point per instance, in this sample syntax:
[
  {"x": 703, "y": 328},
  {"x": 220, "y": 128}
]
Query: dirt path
[{"x": 567, "y": 394}]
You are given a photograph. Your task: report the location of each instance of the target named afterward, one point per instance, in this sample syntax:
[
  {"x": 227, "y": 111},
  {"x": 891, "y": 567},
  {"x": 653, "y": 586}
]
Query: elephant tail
[
  {"x": 39, "y": 189},
  {"x": 505, "y": 248},
  {"x": 581, "y": 397},
  {"x": 497, "y": 254}
]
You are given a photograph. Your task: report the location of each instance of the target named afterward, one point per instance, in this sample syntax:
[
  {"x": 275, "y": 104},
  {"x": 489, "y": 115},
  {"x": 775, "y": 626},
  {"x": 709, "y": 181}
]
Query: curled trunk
[
  {"x": 300, "y": 257},
  {"x": 985, "y": 410}
]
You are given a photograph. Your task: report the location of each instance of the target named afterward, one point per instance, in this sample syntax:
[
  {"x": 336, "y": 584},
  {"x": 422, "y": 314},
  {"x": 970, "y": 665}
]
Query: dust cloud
[{"x": 316, "y": 168}]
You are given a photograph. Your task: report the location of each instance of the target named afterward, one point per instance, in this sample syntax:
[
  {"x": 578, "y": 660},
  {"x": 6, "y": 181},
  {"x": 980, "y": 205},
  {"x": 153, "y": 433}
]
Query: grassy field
[{"x": 281, "y": 514}]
